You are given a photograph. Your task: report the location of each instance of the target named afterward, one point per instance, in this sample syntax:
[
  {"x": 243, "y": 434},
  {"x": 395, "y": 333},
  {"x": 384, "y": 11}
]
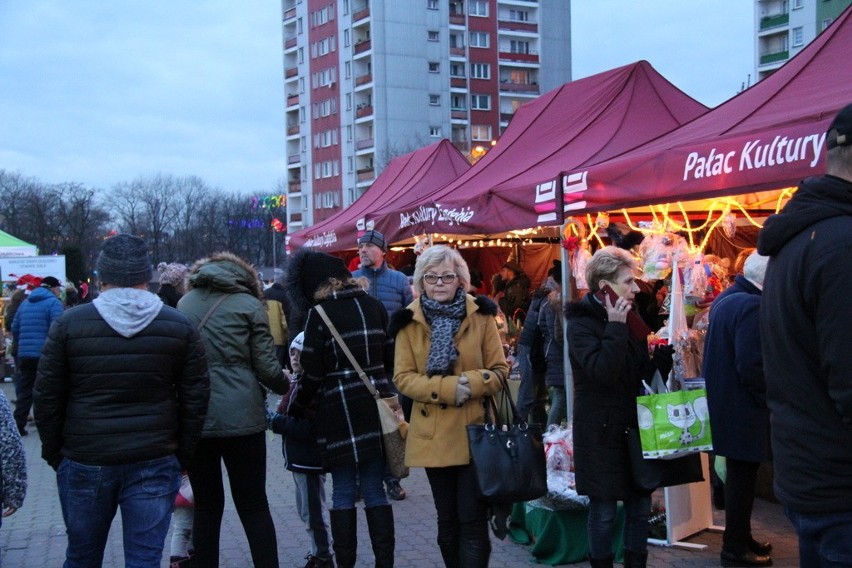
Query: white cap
[{"x": 298, "y": 342}]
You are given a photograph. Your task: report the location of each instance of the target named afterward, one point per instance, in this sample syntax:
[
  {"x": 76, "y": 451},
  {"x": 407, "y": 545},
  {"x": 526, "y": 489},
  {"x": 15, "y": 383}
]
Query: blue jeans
[
  {"x": 558, "y": 406},
  {"x": 345, "y": 480},
  {"x": 602, "y": 512},
  {"x": 90, "y": 496},
  {"x": 310, "y": 503},
  {"x": 532, "y": 392},
  {"x": 825, "y": 539}
]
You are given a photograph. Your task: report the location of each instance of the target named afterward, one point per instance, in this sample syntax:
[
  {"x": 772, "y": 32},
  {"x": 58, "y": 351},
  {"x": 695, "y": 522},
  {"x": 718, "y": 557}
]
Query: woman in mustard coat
[{"x": 449, "y": 357}]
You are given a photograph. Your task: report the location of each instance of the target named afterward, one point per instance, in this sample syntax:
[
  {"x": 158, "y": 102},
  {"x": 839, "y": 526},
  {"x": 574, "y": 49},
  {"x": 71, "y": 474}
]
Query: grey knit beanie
[{"x": 124, "y": 261}]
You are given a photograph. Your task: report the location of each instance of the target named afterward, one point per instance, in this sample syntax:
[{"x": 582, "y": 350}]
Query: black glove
[{"x": 662, "y": 359}]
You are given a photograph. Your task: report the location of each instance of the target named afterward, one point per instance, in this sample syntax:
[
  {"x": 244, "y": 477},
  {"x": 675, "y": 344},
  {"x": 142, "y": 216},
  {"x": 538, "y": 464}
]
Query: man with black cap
[
  {"x": 29, "y": 330},
  {"x": 804, "y": 322},
  {"x": 120, "y": 400},
  {"x": 393, "y": 290}
]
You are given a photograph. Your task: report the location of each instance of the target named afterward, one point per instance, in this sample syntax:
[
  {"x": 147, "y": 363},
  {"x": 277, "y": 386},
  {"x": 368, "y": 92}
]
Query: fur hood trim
[{"x": 239, "y": 270}]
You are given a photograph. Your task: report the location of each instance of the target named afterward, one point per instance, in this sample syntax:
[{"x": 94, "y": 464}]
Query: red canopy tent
[
  {"x": 408, "y": 176},
  {"x": 766, "y": 138},
  {"x": 515, "y": 184}
]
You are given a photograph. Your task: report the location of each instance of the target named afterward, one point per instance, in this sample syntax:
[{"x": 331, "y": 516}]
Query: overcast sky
[{"x": 101, "y": 92}]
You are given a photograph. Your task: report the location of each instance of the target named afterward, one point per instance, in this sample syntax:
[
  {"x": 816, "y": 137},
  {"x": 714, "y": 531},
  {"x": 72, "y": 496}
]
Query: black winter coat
[
  {"x": 349, "y": 431},
  {"x": 608, "y": 368},
  {"x": 104, "y": 399},
  {"x": 804, "y": 323}
]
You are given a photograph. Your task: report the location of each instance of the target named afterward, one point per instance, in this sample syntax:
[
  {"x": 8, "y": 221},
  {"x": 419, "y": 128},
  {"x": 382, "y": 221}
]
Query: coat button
[
  {"x": 486, "y": 376},
  {"x": 423, "y": 411},
  {"x": 443, "y": 405},
  {"x": 434, "y": 395}
]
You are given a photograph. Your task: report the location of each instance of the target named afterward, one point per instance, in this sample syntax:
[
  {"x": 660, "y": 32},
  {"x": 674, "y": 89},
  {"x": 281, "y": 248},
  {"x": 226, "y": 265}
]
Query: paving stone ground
[{"x": 35, "y": 535}]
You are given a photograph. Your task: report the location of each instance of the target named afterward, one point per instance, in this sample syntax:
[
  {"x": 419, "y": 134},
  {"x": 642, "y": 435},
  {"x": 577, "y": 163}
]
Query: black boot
[
  {"x": 344, "y": 525},
  {"x": 634, "y": 559},
  {"x": 602, "y": 562},
  {"x": 474, "y": 553},
  {"x": 450, "y": 554},
  {"x": 380, "y": 525}
]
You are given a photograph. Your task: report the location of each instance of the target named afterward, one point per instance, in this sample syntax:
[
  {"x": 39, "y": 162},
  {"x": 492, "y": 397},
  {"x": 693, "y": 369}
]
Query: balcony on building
[
  {"x": 291, "y": 72},
  {"x": 458, "y": 114},
  {"x": 530, "y": 57},
  {"x": 774, "y": 21},
  {"x": 530, "y": 88},
  {"x": 768, "y": 58},
  {"x": 360, "y": 12},
  {"x": 513, "y": 26},
  {"x": 296, "y": 218},
  {"x": 290, "y": 42},
  {"x": 289, "y": 14},
  {"x": 363, "y": 110},
  {"x": 364, "y": 144},
  {"x": 292, "y": 129},
  {"x": 292, "y": 100},
  {"x": 458, "y": 82},
  {"x": 294, "y": 187},
  {"x": 364, "y": 79},
  {"x": 457, "y": 51},
  {"x": 294, "y": 158},
  {"x": 363, "y": 45},
  {"x": 366, "y": 174},
  {"x": 457, "y": 19}
]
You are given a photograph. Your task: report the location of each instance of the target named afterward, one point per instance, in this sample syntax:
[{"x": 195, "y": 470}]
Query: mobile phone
[{"x": 606, "y": 292}]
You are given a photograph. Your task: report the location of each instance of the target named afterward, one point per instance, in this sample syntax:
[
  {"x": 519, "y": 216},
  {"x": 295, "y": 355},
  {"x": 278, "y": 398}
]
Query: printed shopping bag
[{"x": 672, "y": 424}]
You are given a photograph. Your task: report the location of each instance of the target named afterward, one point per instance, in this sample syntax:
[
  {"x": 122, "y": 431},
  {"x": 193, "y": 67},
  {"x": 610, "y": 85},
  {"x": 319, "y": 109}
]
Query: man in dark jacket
[
  {"x": 804, "y": 323},
  {"x": 120, "y": 401},
  {"x": 736, "y": 395}
]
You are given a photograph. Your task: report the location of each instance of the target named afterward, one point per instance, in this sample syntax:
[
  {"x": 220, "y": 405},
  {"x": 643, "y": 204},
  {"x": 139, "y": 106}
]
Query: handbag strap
[
  {"x": 345, "y": 348},
  {"x": 211, "y": 310}
]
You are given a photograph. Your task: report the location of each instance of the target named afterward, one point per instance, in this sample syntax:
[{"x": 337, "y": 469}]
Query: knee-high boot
[
  {"x": 380, "y": 525},
  {"x": 604, "y": 562},
  {"x": 344, "y": 525}
]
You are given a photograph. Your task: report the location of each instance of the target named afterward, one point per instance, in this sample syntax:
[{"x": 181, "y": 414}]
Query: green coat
[{"x": 239, "y": 346}]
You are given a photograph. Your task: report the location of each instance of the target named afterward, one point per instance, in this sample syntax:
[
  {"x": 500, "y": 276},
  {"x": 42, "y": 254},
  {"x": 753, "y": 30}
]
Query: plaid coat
[{"x": 348, "y": 430}]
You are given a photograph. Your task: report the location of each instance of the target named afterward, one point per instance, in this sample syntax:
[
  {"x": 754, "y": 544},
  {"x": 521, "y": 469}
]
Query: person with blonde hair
[
  {"x": 608, "y": 349},
  {"x": 448, "y": 358}
]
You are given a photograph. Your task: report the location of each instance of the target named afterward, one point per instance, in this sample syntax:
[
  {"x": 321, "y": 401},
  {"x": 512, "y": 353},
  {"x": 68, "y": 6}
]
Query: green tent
[{"x": 13, "y": 246}]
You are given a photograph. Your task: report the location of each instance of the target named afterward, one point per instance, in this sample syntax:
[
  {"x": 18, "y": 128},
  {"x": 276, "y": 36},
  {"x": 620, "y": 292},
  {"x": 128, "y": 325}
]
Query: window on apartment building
[
  {"x": 302, "y": 114},
  {"x": 349, "y": 165},
  {"x": 434, "y": 100},
  {"x": 798, "y": 36},
  {"x": 434, "y": 67},
  {"x": 433, "y": 35},
  {"x": 299, "y": 26},
  {"x": 518, "y": 46},
  {"x": 432, "y": 4},
  {"x": 456, "y": 41},
  {"x": 345, "y": 6},
  {"x": 480, "y": 71},
  {"x": 301, "y": 84},
  {"x": 479, "y": 39},
  {"x": 478, "y": 8},
  {"x": 798, "y": 4},
  {"x": 301, "y": 55},
  {"x": 348, "y": 101},
  {"x": 457, "y": 102},
  {"x": 435, "y": 131},
  {"x": 519, "y": 16},
  {"x": 348, "y": 69},
  {"x": 826, "y": 22},
  {"x": 480, "y": 132},
  {"x": 346, "y": 38},
  {"x": 480, "y": 102},
  {"x": 456, "y": 69},
  {"x": 349, "y": 133}
]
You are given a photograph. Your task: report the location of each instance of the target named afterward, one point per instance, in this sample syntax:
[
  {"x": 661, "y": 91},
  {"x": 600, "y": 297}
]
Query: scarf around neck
[{"x": 445, "y": 320}]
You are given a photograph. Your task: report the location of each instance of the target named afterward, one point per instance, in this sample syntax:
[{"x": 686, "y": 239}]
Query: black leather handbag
[
  {"x": 509, "y": 458},
  {"x": 649, "y": 474}
]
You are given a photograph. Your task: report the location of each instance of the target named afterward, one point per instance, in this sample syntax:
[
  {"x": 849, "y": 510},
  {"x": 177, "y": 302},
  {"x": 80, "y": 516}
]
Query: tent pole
[{"x": 566, "y": 360}]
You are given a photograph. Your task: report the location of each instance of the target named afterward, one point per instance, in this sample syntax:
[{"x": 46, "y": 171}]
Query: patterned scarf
[{"x": 445, "y": 320}]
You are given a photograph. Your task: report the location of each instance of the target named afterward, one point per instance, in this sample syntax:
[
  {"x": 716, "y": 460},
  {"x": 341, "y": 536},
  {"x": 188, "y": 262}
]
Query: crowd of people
[{"x": 139, "y": 398}]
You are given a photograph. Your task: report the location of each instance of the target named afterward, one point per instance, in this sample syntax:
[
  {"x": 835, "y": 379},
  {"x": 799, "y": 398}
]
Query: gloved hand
[
  {"x": 462, "y": 390},
  {"x": 270, "y": 416},
  {"x": 662, "y": 359}
]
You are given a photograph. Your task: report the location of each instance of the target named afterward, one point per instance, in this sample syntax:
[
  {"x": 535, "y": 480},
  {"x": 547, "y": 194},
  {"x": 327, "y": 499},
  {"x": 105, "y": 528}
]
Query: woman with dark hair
[
  {"x": 349, "y": 433},
  {"x": 607, "y": 344},
  {"x": 224, "y": 301},
  {"x": 449, "y": 357}
]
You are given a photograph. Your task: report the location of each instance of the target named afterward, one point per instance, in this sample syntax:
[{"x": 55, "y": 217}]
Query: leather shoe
[
  {"x": 760, "y": 548},
  {"x": 395, "y": 491},
  {"x": 747, "y": 558}
]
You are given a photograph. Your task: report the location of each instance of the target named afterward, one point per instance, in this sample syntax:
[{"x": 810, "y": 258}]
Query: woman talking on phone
[{"x": 607, "y": 343}]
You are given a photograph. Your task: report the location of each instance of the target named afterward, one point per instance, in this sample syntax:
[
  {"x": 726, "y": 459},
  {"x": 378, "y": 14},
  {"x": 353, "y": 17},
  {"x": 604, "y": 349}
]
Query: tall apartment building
[
  {"x": 785, "y": 27},
  {"x": 368, "y": 80}
]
